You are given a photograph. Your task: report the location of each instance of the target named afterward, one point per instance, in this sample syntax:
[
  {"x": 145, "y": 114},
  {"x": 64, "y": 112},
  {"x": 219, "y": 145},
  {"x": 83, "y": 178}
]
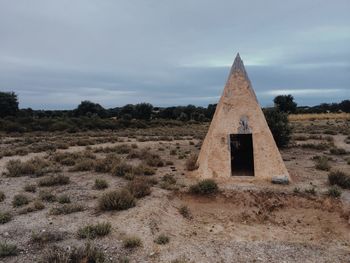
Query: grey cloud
[{"x": 56, "y": 53}]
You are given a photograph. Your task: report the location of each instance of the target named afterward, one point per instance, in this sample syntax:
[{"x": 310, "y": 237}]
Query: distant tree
[
  {"x": 279, "y": 125},
  {"x": 128, "y": 109},
  {"x": 345, "y": 106},
  {"x": 285, "y": 103},
  {"x": 143, "y": 111},
  {"x": 88, "y": 108},
  {"x": 8, "y": 104},
  {"x": 210, "y": 111}
]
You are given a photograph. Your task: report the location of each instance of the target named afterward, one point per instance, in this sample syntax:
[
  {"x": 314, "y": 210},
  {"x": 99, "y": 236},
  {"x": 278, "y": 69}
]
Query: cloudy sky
[{"x": 54, "y": 54}]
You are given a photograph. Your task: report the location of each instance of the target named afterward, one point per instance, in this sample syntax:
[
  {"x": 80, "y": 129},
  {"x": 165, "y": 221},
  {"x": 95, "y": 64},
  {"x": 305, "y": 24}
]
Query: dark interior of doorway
[{"x": 242, "y": 157}]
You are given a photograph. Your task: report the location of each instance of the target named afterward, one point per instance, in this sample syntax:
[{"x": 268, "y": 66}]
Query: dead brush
[
  {"x": 116, "y": 200},
  {"x": 106, "y": 164},
  {"x": 66, "y": 209},
  {"x": 54, "y": 180},
  {"x": 44, "y": 237},
  {"x": 83, "y": 166},
  {"x": 139, "y": 187},
  {"x": 93, "y": 231},
  {"x": 121, "y": 169},
  {"x": 34, "y": 167},
  {"x": 87, "y": 254},
  {"x": 322, "y": 163}
]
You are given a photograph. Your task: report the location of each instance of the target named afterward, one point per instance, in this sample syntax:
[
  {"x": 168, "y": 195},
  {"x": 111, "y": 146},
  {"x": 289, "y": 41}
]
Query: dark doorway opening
[{"x": 242, "y": 157}]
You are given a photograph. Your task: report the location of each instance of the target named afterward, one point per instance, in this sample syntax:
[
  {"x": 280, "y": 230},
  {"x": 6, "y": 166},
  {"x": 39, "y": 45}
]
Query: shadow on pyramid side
[{"x": 239, "y": 142}]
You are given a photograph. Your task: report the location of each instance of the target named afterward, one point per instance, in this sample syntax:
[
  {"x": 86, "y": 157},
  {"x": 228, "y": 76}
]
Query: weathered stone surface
[
  {"x": 237, "y": 112},
  {"x": 280, "y": 180}
]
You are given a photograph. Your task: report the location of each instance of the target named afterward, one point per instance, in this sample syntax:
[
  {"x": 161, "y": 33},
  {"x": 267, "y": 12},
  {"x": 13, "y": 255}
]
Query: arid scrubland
[{"x": 128, "y": 196}]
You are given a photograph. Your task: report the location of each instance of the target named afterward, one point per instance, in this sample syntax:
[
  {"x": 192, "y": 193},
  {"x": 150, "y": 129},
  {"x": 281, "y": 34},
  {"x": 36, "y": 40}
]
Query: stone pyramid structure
[{"x": 239, "y": 142}]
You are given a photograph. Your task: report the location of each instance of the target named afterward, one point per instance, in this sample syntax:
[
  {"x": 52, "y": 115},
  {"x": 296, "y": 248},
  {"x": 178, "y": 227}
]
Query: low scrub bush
[
  {"x": 100, "y": 184},
  {"x": 337, "y": 151},
  {"x": 339, "y": 178},
  {"x": 316, "y": 146},
  {"x": 5, "y": 217},
  {"x": 106, "y": 164},
  {"x": 7, "y": 250},
  {"x": 162, "y": 239},
  {"x": 54, "y": 180},
  {"x": 204, "y": 187},
  {"x": 35, "y": 167},
  {"x": 132, "y": 242},
  {"x": 311, "y": 191},
  {"x": 20, "y": 200},
  {"x": 334, "y": 191},
  {"x": 83, "y": 166},
  {"x": 2, "y": 196},
  {"x": 116, "y": 200},
  {"x": 322, "y": 163},
  {"x": 93, "y": 231},
  {"x": 44, "y": 237},
  {"x": 121, "y": 169},
  {"x": 185, "y": 212},
  {"x": 87, "y": 254},
  {"x": 66, "y": 209},
  {"x": 64, "y": 199},
  {"x": 139, "y": 187},
  {"x": 47, "y": 196},
  {"x": 30, "y": 188},
  {"x": 168, "y": 182}
]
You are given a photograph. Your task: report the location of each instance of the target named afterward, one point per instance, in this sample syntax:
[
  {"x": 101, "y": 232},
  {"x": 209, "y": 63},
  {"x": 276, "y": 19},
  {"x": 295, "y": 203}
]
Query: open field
[{"x": 61, "y": 181}]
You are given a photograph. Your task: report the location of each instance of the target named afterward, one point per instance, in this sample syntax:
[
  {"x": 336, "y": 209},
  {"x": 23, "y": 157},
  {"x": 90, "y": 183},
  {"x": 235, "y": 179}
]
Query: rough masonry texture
[{"x": 238, "y": 112}]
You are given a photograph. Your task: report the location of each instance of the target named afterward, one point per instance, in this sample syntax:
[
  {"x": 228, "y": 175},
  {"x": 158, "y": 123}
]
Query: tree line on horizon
[{"x": 146, "y": 111}]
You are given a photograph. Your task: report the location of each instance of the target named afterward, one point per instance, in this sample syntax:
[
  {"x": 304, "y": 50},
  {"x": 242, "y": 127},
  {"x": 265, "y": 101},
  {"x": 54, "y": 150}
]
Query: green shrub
[
  {"x": 339, "y": 178},
  {"x": 132, "y": 242},
  {"x": 7, "y": 250},
  {"x": 20, "y": 200},
  {"x": 93, "y": 231},
  {"x": 204, "y": 187},
  {"x": 100, "y": 184},
  {"x": 54, "y": 180},
  {"x": 2, "y": 196},
  {"x": 30, "y": 188},
  {"x": 5, "y": 217},
  {"x": 279, "y": 125},
  {"x": 191, "y": 163},
  {"x": 334, "y": 192},
  {"x": 162, "y": 239},
  {"x": 116, "y": 200},
  {"x": 139, "y": 187},
  {"x": 64, "y": 199}
]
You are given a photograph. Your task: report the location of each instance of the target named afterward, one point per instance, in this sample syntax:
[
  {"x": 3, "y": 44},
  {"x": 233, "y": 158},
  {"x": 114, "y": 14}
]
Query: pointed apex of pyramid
[{"x": 238, "y": 64}]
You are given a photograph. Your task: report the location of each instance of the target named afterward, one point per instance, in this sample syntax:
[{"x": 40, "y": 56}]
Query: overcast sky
[{"x": 54, "y": 54}]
